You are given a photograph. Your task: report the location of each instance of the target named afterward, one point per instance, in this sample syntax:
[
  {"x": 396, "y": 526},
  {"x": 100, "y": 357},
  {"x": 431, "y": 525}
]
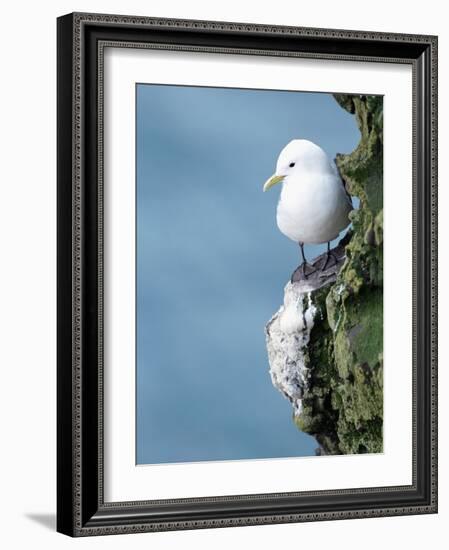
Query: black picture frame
[{"x": 81, "y": 510}]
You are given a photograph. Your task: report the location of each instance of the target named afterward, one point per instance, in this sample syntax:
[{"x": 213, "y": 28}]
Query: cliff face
[{"x": 325, "y": 343}]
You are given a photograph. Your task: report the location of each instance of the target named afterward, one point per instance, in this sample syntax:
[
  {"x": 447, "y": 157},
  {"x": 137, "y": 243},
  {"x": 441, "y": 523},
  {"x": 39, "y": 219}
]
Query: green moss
[
  {"x": 343, "y": 406},
  {"x": 366, "y": 336}
]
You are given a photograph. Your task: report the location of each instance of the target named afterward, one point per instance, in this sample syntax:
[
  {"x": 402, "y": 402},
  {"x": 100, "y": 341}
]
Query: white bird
[{"x": 314, "y": 205}]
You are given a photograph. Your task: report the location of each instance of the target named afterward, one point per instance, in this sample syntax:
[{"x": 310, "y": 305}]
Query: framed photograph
[{"x": 247, "y": 275}]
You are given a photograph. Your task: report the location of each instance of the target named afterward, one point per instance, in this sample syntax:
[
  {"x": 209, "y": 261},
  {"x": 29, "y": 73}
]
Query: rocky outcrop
[{"x": 325, "y": 342}]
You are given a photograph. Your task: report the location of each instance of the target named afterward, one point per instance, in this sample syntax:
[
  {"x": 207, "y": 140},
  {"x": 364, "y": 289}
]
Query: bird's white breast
[{"x": 313, "y": 207}]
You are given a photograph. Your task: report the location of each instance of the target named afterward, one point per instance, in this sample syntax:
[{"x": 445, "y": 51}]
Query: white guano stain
[{"x": 287, "y": 335}]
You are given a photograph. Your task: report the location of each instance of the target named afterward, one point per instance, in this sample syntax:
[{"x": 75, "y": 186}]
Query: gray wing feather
[{"x": 343, "y": 183}]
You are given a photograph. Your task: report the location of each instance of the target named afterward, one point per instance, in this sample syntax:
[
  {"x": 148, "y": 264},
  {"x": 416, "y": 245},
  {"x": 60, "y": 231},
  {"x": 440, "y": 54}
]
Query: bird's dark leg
[
  {"x": 329, "y": 255},
  {"x": 301, "y": 246},
  {"x": 305, "y": 263}
]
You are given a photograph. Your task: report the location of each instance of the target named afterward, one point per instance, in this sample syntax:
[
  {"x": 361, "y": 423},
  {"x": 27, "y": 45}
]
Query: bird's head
[{"x": 298, "y": 156}]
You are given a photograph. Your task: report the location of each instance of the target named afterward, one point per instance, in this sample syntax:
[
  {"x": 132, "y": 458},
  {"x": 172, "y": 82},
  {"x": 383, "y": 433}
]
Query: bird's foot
[
  {"x": 307, "y": 269},
  {"x": 302, "y": 272},
  {"x": 327, "y": 261}
]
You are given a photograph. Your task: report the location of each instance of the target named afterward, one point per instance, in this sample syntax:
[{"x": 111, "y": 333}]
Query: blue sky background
[{"x": 212, "y": 265}]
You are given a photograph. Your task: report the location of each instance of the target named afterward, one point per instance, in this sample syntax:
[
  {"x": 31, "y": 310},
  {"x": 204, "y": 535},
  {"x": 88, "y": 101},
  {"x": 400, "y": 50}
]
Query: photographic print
[
  {"x": 259, "y": 274},
  {"x": 243, "y": 240}
]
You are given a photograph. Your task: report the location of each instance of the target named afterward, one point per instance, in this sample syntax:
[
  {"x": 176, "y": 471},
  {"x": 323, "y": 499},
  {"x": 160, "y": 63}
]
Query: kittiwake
[{"x": 314, "y": 204}]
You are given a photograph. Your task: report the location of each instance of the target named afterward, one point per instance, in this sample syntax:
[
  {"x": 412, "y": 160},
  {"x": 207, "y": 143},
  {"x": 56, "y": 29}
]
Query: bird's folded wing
[{"x": 348, "y": 196}]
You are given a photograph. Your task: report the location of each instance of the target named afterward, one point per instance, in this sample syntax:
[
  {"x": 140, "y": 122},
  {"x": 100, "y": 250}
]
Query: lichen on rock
[{"x": 325, "y": 343}]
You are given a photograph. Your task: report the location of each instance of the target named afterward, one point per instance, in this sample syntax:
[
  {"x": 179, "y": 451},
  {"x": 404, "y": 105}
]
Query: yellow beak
[{"x": 272, "y": 181}]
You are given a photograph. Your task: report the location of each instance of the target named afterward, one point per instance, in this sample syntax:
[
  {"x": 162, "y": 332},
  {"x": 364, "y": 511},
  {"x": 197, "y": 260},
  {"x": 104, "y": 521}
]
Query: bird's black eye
[{"x": 292, "y": 164}]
